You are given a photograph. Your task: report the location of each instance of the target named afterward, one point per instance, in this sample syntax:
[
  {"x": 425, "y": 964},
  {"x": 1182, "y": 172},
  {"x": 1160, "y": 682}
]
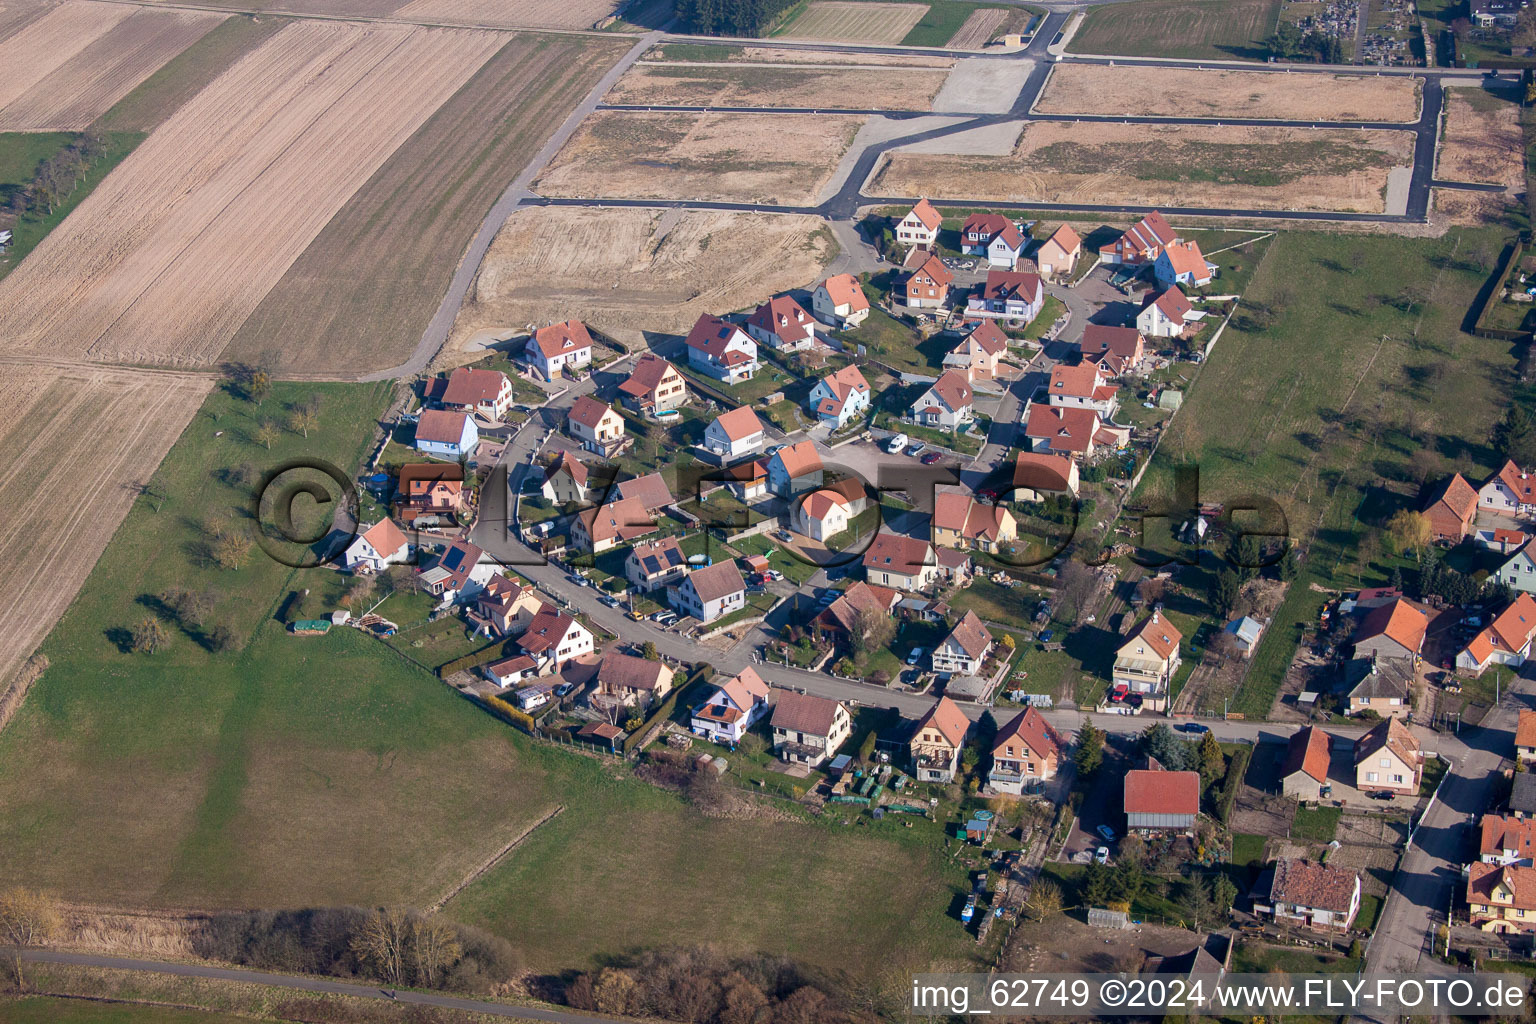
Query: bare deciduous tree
[
  {"x": 381, "y": 943},
  {"x": 434, "y": 949},
  {"x": 28, "y": 918}
]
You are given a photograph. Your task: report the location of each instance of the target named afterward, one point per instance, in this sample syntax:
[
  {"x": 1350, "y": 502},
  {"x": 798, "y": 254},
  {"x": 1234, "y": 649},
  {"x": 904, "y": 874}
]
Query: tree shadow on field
[
  {"x": 1258, "y": 53},
  {"x": 120, "y": 638}
]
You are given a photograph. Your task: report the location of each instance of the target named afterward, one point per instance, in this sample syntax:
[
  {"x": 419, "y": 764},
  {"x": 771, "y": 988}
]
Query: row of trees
[
  {"x": 58, "y": 176},
  {"x": 730, "y": 17},
  {"x": 1289, "y": 42}
]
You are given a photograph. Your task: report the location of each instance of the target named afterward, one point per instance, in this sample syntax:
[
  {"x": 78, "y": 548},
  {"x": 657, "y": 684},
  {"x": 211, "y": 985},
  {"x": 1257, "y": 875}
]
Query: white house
[
  {"x": 376, "y": 548},
  {"x": 1166, "y": 314},
  {"x": 722, "y": 350},
  {"x": 794, "y": 470},
  {"x": 1006, "y": 250},
  {"x": 1142, "y": 243},
  {"x": 458, "y": 574},
  {"x": 979, "y": 229},
  {"x": 734, "y": 433},
  {"x": 1146, "y": 662},
  {"x": 1182, "y": 263},
  {"x": 566, "y": 480},
  {"x": 839, "y": 397},
  {"x": 1082, "y": 386},
  {"x": 782, "y": 323},
  {"x": 1504, "y": 641},
  {"x": 946, "y": 405},
  {"x": 840, "y": 301},
  {"x": 487, "y": 392},
  {"x": 732, "y": 710},
  {"x": 655, "y": 564},
  {"x": 1315, "y": 895},
  {"x": 1509, "y": 492},
  {"x": 554, "y": 638},
  {"x": 511, "y": 671},
  {"x": 446, "y": 434},
  {"x": 595, "y": 424},
  {"x": 920, "y": 226},
  {"x": 964, "y": 650},
  {"x": 710, "y": 592},
  {"x": 808, "y": 729},
  {"x": 1008, "y": 294},
  {"x": 828, "y": 511},
  {"x": 554, "y": 349}
]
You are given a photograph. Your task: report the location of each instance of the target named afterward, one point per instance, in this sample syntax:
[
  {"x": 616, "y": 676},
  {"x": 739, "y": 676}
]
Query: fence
[{"x": 640, "y": 736}]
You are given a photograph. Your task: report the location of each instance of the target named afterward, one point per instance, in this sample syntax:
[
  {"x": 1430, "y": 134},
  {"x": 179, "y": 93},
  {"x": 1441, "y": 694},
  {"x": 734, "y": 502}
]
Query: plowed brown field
[
  {"x": 35, "y": 51},
  {"x": 83, "y": 87},
  {"x": 169, "y": 255},
  {"x": 530, "y": 13},
  {"x": 742, "y": 85},
  {"x": 76, "y": 443}
]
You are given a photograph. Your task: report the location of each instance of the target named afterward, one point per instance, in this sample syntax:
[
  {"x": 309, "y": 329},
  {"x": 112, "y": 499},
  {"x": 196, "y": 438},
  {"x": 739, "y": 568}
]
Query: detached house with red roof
[
  {"x": 1025, "y": 753},
  {"x": 1146, "y": 661},
  {"x": 1166, "y": 314},
  {"x": 794, "y": 470},
  {"x": 839, "y": 397},
  {"x": 1501, "y": 899},
  {"x": 1504, "y": 641},
  {"x": 446, "y": 434},
  {"x": 980, "y": 353},
  {"x": 1507, "y": 840},
  {"x": 1393, "y": 630},
  {"x": 808, "y": 729},
  {"x": 376, "y": 548},
  {"x": 735, "y": 706},
  {"x": 1118, "y": 349},
  {"x": 830, "y": 510},
  {"x": 428, "y": 489},
  {"x": 595, "y": 424},
  {"x": 840, "y": 301},
  {"x": 979, "y": 229},
  {"x": 1058, "y": 255},
  {"x": 1161, "y": 801},
  {"x": 1451, "y": 509},
  {"x": 841, "y": 619},
  {"x": 653, "y": 565},
  {"x": 554, "y": 638},
  {"x": 595, "y": 530},
  {"x": 920, "y": 226},
  {"x": 965, "y": 649},
  {"x": 567, "y": 480},
  {"x": 1082, "y": 386},
  {"x": 927, "y": 287},
  {"x": 734, "y": 433},
  {"x": 1305, "y": 772},
  {"x": 559, "y": 348},
  {"x": 1182, "y": 263},
  {"x": 936, "y": 742},
  {"x": 1388, "y": 760},
  {"x": 1509, "y": 492},
  {"x": 1070, "y": 432},
  {"x": 1008, "y": 294},
  {"x": 947, "y": 405},
  {"x": 1525, "y": 736},
  {"x": 783, "y": 324},
  {"x": 963, "y": 523},
  {"x": 653, "y": 386},
  {"x": 1037, "y": 476},
  {"x": 904, "y": 563},
  {"x": 457, "y": 574},
  {"x": 487, "y": 392},
  {"x": 1316, "y": 896},
  {"x": 1143, "y": 243},
  {"x": 722, "y": 350}
]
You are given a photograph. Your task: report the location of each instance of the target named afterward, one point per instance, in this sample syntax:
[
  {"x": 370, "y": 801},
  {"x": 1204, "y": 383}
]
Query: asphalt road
[{"x": 304, "y": 983}]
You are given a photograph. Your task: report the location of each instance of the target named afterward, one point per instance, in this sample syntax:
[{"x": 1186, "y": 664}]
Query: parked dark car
[{"x": 931, "y": 458}]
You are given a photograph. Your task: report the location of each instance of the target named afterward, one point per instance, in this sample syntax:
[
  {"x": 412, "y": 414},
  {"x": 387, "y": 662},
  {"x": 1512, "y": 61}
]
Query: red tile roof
[
  {"x": 1308, "y": 752},
  {"x": 739, "y": 424},
  {"x": 1160, "y": 792},
  {"x": 441, "y": 426},
  {"x": 799, "y": 459},
  {"x": 844, "y": 290},
  {"x": 1032, "y": 730},
  {"x": 1499, "y": 834},
  {"x": 1482, "y": 879},
  {"x": 894, "y": 552},
  {"x": 568, "y": 337},
  {"x": 1525, "y": 729},
  {"x": 1066, "y": 238},
  {"x": 1186, "y": 258},
  {"x": 1317, "y": 886},
  {"x": 1173, "y": 304},
  {"x": 781, "y": 316},
  {"x": 1039, "y": 471},
  {"x": 952, "y": 389},
  {"x": 647, "y": 375},
  {"x": 385, "y": 537},
  {"x": 1066, "y": 429},
  {"x": 1391, "y": 735},
  {"x": 1458, "y": 496},
  {"x": 469, "y": 387},
  {"x": 927, "y": 214},
  {"x": 1510, "y": 632},
  {"x": 1008, "y": 284},
  {"x": 1077, "y": 381},
  {"x": 588, "y": 411},
  {"x": 971, "y": 634},
  {"x": 711, "y": 335},
  {"x": 933, "y": 268},
  {"x": 1398, "y": 621},
  {"x": 1157, "y": 633},
  {"x": 804, "y": 712},
  {"x": 620, "y": 520},
  {"x": 650, "y": 490},
  {"x": 946, "y": 717},
  {"x": 985, "y": 224},
  {"x": 1517, "y": 480}
]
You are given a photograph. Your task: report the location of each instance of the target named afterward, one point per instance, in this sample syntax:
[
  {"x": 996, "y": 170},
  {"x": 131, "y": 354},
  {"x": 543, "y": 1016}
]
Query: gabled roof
[
  {"x": 414, "y": 474},
  {"x": 1522, "y": 795},
  {"x": 1068, "y": 429},
  {"x": 1039, "y": 471},
  {"x": 1009, "y": 284},
  {"x": 843, "y": 384},
  {"x": 1378, "y": 678},
  {"x": 798, "y": 459},
  {"x": 646, "y": 376},
  {"x": 859, "y": 597},
  {"x": 385, "y": 538},
  {"x": 712, "y": 582},
  {"x": 987, "y": 224},
  {"x": 948, "y": 719},
  {"x": 659, "y": 556},
  {"x": 745, "y": 688},
  {"x": 1030, "y": 729},
  {"x": 990, "y": 337},
  {"x": 626, "y": 672},
  {"x": 1391, "y": 735},
  {"x": 588, "y": 411},
  {"x": 1398, "y": 621},
  {"x": 804, "y": 712},
  {"x": 845, "y": 290},
  {"x": 1122, "y": 341},
  {"x": 1066, "y": 238},
  {"x": 894, "y": 552},
  {"x": 952, "y": 389},
  {"x": 1525, "y": 729},
  {"x": 548, "y": 628},
  {"x": 1075, "y": 381},
  {"x": 1318, "y": 886},
  {"x": 1172, "y": 303},
  {"x": 958, "y": 511},
  {"x": 738, "y": 424},
  {"x": 569, "y": 464},
  {"x": 971, "y": 635},
  {"x": 1517, "y": 480},
  {"x": 934, "y": 268},
  {"x": 1307, "y": 752},
  {"x": 566, "y": 338},
  {"x": 1186, "y": 258},
  {"x": 925, "y": 212},
  {"x": 1151, "y": 232},
  {"x": 1157, "y": 633},
  {"x": 711, "y": 335},
  {"x": 1482, "y": 879},
  {"x": 1160, "y": 792},
  {"x": 820, "y": 502},
  {"x": 441, "y": 426},
  {"x": 1500, "y": 834},
  {"x": 1010, "y": 237},
  {"x": 620, "y": 520},
  {"x": 1510, "y": 631},
  {"x": 471, "y": 387},
  {"x": 1457, "y": 495},
  {"x": 650, "y": 491},
  {"x": 781, "y": 313}
]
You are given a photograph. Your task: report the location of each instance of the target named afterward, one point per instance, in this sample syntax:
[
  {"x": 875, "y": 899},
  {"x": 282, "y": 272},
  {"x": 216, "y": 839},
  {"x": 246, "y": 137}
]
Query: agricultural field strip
[
  {"x": 40, "y": 48},
  {"x": 80, "y": 441},
  {"x": 147, "y": 269},
  {"x": 87, "y": 84},
  {"x": 549, "y": 14}
]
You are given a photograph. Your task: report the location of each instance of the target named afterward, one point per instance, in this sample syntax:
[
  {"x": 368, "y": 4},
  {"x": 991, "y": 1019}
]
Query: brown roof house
[
  {"x": 808, "y": 729},
  {"x": 1388, "y": 760},
  {"x": 928, "y": 286},
  {"x": 1312, "y": 895},
  {"x": 507, "y": 608},
  {"x": 651, "y": 566},
  {"x": 1025, "y": 754},
  {"x": 840, "y": 619},
  {"x": 597, "y": 529},
  {"x": 1142, "y": 243},
  {"x": 980, "y": 353},
  {"x": 722, "y": 350},
  {"x": 1124, "y": 343},
  {"x": 487, "y": 392},
  {"x": 1501, "y": 898},
  {"x": 1146, "y": 661},
  {"x": 947, "y": 405},
  {"x": 428, "y": 489},
  {"x": 1040, "y": 475},
  {"x": 653, "y": 386},
  {"x": 782, "y": 323},
  {"x": 1166, "y": 314},
  {"x": 554, "y": 638},
  {"x": 597, "y": 425},
  {"x": 839, "y": 397},
  {"x": 632, "y": 681},
  {"x": 1159, "y": 800},
  {"x": 964, "y": 651},
  {"x": 1305, "y": 772},
  {"x": 963, "y": 523},
  {"x": 1451, "y": 509},
  {"x": 710, "y": 592},
  {"x": 1394, "y": 630},
  {"x": 937, "y": 740},
  {"x": 905, "y": 563},
  {"x": 732, "y": 709},
  {"x": 567, "y": 481}
]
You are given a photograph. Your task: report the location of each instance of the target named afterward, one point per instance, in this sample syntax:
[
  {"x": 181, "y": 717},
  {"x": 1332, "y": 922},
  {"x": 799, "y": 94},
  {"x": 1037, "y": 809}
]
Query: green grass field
[
  {"x": 21, "y": 153},
  {"x": 1182, "y": 29},
  {"x": 1316, "y": 824},
  {"x": 46, "y": 1010}
]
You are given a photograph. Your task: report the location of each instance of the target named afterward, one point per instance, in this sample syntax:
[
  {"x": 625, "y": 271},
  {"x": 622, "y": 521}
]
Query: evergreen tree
[{"x": 1090, "y": 749}]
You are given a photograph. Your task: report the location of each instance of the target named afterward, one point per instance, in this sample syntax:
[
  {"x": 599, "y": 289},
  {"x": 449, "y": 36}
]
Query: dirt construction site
[
  {"x": 1165, "y": 165},
  {"x": 778, "y": 159},
  {"x": 626, "y": 270},
  {"x": 1187, "y": 92},
  {"x": 742, "y": 85},
  {"x": 1482, "y": 140}
]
